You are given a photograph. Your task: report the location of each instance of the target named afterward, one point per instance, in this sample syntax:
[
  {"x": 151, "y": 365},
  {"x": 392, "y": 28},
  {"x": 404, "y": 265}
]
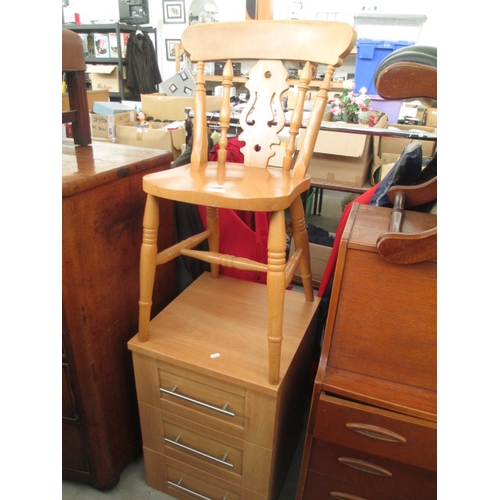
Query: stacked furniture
[{"x": 222, "y": 372}]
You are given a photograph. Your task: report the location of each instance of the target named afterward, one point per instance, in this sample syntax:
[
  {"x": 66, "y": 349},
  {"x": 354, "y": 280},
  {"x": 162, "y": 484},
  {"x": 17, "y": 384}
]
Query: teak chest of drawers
[
  {"x": 373, "y": 420},
  {"x": 102, "y": 206},
  {"x": 212, "y": 425}
]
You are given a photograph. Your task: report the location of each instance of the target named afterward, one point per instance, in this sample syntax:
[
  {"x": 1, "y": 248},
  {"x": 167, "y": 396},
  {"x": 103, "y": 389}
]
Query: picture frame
[
  {"x": 174, "y": 12},
  {"x": 170, "y": 48}
]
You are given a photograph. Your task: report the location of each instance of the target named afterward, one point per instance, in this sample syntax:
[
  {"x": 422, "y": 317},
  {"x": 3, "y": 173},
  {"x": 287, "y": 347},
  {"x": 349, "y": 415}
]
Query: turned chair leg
[
  {"x": 147, "y": 269},
  {"x": 301, "y": 240},
  {"x": 276, "y": 261}
]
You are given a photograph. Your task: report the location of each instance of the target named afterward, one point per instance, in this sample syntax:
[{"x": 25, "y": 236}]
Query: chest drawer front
[
  {"x": 376, "y": 431},
  {"x": 374, "y": 472},
  {"x": 321, "y": 487},
  {"x": 212, "y": 451},
  {"x": 202, "y": 399},
  {"x": 182, "y": 485},
  {"x": 185, "y": 482}
]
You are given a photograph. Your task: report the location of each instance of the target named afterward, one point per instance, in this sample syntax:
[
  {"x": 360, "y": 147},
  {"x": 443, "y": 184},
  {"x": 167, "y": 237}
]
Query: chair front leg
[
  {"x": 302, "y": 241},
  {"x": 276, "y": 261},
  {"x": 147, "y": 269}
]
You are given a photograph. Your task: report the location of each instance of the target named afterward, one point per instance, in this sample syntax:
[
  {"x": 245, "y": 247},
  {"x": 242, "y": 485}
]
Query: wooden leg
[
  {"x": 302, "y": 241},
  {"x": 147, "y": 269},
  {"x": 82, "y": 134},
  {"x": 276, "y": 261},
  {"x": 213, "y": 240}
]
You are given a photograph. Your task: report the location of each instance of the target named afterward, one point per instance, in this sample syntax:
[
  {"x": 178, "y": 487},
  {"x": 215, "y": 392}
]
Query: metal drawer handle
[
  {"x": 197, "y": 452},
  {"x": 376, "y": 432},
  {"x": 344, "y": 496},
  {"x": 196, "y": 402},
  {"x": 187, "y": 490},
  {"x": 365, "y": 466}
]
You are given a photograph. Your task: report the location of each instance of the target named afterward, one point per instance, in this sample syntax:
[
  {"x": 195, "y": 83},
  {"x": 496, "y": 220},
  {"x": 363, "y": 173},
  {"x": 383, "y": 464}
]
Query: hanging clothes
[{"x": 143, "y": 74}]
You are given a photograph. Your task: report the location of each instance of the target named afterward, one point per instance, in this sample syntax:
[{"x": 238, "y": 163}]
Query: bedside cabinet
[
  {"x": 212, "y": 425},
  {"x": 372, "y": 430}
]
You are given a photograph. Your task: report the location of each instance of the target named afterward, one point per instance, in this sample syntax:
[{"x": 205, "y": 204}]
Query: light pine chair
[{"x": 253, "y": 185}]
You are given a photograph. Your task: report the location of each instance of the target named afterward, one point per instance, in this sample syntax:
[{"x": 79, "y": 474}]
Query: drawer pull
[
  {"x": 197, "y": 452},
  {"x": 187, "y": 490},
  {"x": 344, "y": 496},
  {"x": 196, "y": 402},
  {"x": 365, "y": 466},
  {"x": 376, "y": 432}
]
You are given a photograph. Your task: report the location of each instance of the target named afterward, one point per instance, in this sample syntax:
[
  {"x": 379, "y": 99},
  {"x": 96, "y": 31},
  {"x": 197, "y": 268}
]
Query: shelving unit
[{"x": 118, "y": 29}]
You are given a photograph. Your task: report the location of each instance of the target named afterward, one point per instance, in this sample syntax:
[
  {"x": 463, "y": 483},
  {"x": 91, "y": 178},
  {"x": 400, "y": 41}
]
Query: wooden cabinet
[
  {"x": 102, "y": 208},
  {"x": 212, "y": 425},
  {"x": 372, "y": 430}
]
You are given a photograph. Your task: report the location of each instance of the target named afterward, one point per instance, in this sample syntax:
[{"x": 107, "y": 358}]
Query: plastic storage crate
[
  {"x": 369, "y": 55},
  {"x": 390, "y": 107}
]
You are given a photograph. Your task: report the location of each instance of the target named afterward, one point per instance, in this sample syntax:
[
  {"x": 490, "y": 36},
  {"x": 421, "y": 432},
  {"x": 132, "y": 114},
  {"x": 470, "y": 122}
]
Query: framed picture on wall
[
  {"x": 170, "y": 49},
  {"x": 173, "y": 12}
]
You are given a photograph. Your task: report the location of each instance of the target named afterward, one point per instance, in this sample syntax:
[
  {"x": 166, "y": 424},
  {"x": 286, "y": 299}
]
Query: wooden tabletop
[
  {"x": 226, "y": 338},
  {"x": 85, "y": 167}
]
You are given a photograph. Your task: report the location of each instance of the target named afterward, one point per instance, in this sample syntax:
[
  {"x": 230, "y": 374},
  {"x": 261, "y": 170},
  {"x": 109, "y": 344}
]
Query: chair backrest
[
  {"x": 271, "y": 45},
  {"x": 73, "y": 65},
  {"x": 410, "y": 72}
]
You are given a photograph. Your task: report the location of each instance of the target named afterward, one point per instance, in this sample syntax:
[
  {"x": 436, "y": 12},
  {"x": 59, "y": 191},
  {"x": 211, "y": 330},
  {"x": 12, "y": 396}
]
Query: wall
[{"x": 234, "y": 10}]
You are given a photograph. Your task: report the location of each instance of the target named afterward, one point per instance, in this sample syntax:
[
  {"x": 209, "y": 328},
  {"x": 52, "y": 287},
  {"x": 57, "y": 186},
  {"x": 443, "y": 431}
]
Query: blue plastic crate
[{"x": 369, "y": 55}]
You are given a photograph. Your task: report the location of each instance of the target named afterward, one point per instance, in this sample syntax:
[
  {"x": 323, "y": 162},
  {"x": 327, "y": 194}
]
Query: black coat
[{"x": 143, "y": 73}]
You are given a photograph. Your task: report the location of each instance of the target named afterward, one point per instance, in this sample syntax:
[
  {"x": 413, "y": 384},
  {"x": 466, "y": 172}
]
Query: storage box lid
[
  {"x": 105, "y": 69},
  {"x": 367, "y": 47},
  {"x": 110, "y": 108}
]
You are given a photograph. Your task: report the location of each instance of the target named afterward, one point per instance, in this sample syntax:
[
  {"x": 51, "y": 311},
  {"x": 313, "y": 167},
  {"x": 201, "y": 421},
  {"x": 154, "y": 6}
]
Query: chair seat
[{"x": 240, "y": 188}]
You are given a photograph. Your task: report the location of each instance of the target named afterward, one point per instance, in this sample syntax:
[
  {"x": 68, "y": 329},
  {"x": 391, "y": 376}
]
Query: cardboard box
[
  {"x": 387, "y": 150},
  {"x": 412, "y": 113},
  {"x": 104, "y": 126},
  {"x": 431, "y": 118},
  {"x": 319, "y": 259},
  {"x": 92, "y": 97},
  {"x": 156, "y": 137},
  {"x": 105, "y": 76},
  {"x": 342, "y": 158},
  {"x": 110, "y": 108},
  {"x": 162, "y": 107}
]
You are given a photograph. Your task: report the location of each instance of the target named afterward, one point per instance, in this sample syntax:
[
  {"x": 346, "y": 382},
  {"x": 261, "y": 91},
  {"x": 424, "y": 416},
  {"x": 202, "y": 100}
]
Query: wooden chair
[
  {"x": 251, "y": 186},
  {"x": 410, "y": 72},
  {"x": 73, "y": 65}
]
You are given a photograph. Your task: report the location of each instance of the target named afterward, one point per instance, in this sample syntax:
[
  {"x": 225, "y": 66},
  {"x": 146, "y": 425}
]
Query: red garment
[
  {"x": 238, "y": 238},
  {"x": 362, "y": 199},
  {"x": 234, "y": 155},
  {"x": 242, "y": 233}
]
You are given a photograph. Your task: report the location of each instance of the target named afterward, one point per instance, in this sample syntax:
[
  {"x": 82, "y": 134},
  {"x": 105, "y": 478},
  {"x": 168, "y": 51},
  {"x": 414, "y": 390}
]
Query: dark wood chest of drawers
[
  {"x": 372, "y": 430},
  {"x": 102, "y": 210}
]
